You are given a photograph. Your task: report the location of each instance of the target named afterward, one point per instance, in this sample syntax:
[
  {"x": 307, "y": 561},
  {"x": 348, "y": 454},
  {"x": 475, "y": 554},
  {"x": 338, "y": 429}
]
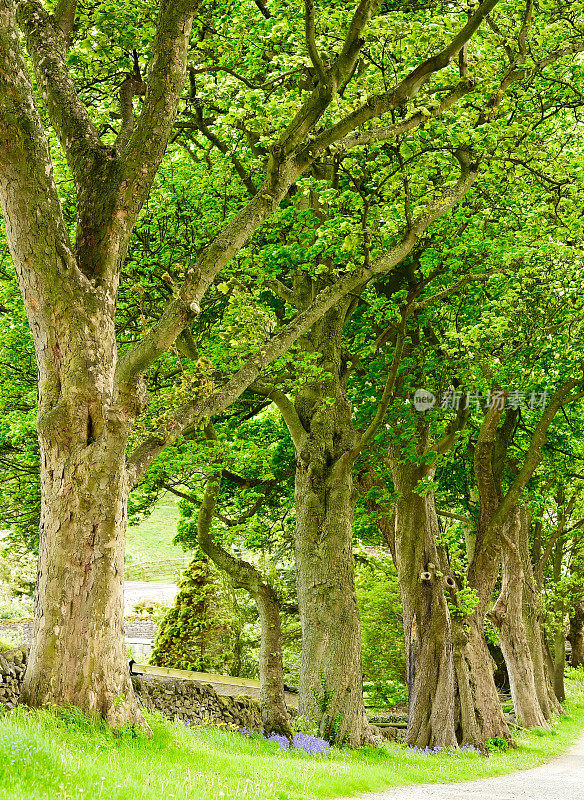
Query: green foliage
[
  {"x": 14, "y": 608},
  {"x": 467, "y": 599},
  {"x": 382, "y": 631},
  {"x": 496, "y": 744},
  {"x": 18, "y": 571},
  {"x": 11, "y": 639},
  {"x": 385, "y": 693}
]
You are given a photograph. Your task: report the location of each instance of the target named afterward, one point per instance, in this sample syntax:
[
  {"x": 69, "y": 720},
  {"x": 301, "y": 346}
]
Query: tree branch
[
  {"x": 133, "y": 86},
  {"x": 284, "y": 168},
  {"x": 533, "y": 456},
  {"x": 399, "y": 128},
  {"x": 243, "y": 574},
  {"x": 387, "y": 395},
  {"x": 166, "y": 79},
  {"x": 378, "y": 105},
  {"x": 559, "y": 531},
  {"x": 289, "y": 414},
  {"x": 222, "y": 147},
  {"x": 310, "y": 34}
]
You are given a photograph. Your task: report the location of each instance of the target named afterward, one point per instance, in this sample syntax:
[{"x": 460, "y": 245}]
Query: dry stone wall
[{"x": 191, "y": 702}]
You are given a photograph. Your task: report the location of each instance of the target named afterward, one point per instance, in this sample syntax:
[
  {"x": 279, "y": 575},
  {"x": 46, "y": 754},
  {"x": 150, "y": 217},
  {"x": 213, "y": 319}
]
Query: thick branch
[
  {"x": 289, "y": 414},
  {"x": 35, "y": 228},
  {"x": 243, "y": 574},
  {"x": 456, "y": 426},
  {"x": 46, "y": 44},
  {"x": 65, "y": 17},
  {"x": 417, "y": 120},
  {"x": 378, "y": 105},
  {"x": 166, "y": 80},
  {"x": 133, "y": 86}
]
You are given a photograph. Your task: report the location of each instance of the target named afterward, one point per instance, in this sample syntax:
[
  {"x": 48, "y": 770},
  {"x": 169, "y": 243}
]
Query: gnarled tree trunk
[
  {"x": 427, "y": 627},
  {"x": 508, "y": 616},
  {"x": 331, "y": 677},
  {"x": 532, "y": 617},
  {"x": 78, "y": 653}
]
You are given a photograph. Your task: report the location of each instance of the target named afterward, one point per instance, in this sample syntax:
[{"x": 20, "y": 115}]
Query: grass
[
  {"x": 67, "y": 756},
  {"x": 150, "y": 552}
]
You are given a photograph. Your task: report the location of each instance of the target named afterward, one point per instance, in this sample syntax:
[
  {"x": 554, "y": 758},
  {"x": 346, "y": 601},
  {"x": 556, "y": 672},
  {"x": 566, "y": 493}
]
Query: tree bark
[
  {"x": 69, "y": 292},
  {"x": 78, "y": 653},
  {"x": 275, "y": 717},
  {"x": 559, "y": 635},
  {"x": 532, "y": 614},
  {"x": 331, "y": 681}
]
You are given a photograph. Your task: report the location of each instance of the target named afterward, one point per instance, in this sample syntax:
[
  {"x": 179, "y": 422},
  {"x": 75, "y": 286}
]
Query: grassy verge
[
  {"x": 150, "y": 552},
  {"x": 44, "y": 756}
]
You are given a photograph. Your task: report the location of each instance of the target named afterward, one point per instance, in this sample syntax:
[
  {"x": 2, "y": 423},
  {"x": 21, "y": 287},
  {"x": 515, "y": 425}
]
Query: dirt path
[{"x": 559, "y": 779}]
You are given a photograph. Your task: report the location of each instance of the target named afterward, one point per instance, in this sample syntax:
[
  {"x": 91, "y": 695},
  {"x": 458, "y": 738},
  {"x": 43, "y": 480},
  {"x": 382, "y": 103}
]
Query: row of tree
[{"x": 213, "y": 210}]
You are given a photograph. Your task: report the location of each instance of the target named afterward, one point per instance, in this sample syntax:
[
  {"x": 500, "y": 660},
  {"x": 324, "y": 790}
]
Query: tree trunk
[
  {"x": 508, "y": 616},
  {"x": 576, "y": 635},
  {"x": 559, "y": 634},
  {"x": 78, "y": 653},
  {"x": 481, "y": 715},
  {"x": 427, "y": 627},
  {"x": 331, "y": 678},
  {"x": 331, "y": 675},
  {"x": 532, "y": 616},
  {"x": 274, "y": 712}
]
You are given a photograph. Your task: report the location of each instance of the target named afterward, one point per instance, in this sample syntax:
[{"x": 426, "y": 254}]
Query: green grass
[
  {"x": 44, "y": 756},
  {"x": 150, "y": 552}
]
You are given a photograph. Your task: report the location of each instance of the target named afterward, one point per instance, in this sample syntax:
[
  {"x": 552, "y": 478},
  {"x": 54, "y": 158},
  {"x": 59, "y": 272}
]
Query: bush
[
  {"x": 496, "y": 744},
  {"x": 195, "y": 634}
]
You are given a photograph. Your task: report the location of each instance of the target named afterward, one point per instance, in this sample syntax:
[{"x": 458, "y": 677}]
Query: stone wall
[
  {"x": 191, "y": 702},
  {"x": 196, "y": 703},
  {"x": 12, "y": 665}
]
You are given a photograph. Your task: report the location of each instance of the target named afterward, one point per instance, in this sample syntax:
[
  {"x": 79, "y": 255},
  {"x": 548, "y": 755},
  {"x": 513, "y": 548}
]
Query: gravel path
[{"x": 559, "y": 779}]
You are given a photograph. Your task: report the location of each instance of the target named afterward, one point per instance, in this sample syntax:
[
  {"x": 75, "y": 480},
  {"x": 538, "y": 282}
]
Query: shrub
[{"x": 496, "y": 744}]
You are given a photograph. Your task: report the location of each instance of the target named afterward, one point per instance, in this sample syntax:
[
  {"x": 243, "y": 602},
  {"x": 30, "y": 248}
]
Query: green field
[
  {"x": 150, "y": 552},
  {"x": 47, "y": 757}
]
